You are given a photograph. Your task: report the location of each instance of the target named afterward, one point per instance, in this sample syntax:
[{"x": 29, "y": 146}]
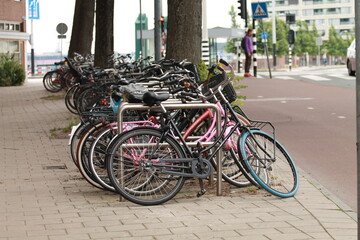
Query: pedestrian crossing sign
[{"x": 259, "y": 10}]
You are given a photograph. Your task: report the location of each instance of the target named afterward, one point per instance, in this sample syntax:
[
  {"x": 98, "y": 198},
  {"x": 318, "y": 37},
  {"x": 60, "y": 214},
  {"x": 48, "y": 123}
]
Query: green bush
[
  {"x": 202, "y": 68},
  {"x": 11, "y": 71}
]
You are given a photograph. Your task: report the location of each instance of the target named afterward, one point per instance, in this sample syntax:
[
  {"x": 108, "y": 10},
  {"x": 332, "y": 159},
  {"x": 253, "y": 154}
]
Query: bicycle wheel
[
  {"x": 82, "y": 153},
  {"x": 97, "y": 155},
  {"x": 69, "y": 99},
  {"x": 261, "y": 152},
  {"x": 52, "y": 81},
  {"x": 135, "y": 166},
  {"x": 232, "y": 169},
  {"x": 87, "y": 99}
]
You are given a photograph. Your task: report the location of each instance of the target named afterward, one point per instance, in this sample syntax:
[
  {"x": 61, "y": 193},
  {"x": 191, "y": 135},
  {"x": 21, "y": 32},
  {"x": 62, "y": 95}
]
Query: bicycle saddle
[{"x": 151, "y": 98}]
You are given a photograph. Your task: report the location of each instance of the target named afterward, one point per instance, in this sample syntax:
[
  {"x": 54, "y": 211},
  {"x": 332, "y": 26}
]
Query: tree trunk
[
  {"x": 82, "y": 30},
  {"x": 184, "y": 30},
  {"x": 104, "y": 38}
]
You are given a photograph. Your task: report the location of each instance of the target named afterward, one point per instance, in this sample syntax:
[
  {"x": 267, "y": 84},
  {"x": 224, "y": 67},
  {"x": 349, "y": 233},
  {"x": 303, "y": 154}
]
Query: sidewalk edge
[{"x": 343, "y": 206}]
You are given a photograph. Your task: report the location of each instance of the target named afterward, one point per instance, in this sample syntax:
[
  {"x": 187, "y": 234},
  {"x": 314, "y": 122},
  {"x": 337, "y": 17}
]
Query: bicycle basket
[{"x": 228, "y": 90}]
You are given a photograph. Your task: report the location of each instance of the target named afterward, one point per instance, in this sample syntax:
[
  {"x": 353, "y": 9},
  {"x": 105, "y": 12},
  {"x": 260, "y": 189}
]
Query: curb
[{"x": 343, "y": 206}]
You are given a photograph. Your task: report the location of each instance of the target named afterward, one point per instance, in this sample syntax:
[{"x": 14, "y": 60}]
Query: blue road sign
[
  {"x": 259, "y": 10},
  {"x": 34, "y": 10},
  {"x": 264, "y": 35}
]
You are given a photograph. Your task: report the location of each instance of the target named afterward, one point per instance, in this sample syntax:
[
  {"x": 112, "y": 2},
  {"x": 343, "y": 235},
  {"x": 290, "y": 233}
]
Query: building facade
[
  {"x": 13, "y": 34},
  {"x": 324, "y": 13}
]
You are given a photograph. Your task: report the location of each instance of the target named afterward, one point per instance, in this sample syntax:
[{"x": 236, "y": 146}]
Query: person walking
[
  {"x": 249, "y": 49},
  {"x": 324, "y": 59}
]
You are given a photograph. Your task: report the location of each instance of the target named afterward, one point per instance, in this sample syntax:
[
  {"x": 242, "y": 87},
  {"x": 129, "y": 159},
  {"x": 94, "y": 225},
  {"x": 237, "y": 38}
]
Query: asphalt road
[{"x": 315, "y": 121}]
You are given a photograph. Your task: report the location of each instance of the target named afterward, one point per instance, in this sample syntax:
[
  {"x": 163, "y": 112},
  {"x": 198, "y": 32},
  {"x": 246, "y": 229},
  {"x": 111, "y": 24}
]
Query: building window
[
  {"x": 318, "y": 11},
  {"x": 346, "y": 10},
  {"x": 308, "y": 12},
  {"x": 334, "y": 21},
  {"x": 10, "y": 27},
  {"x": 333, "y": 10},
  {"x": 293, "y": 2}
]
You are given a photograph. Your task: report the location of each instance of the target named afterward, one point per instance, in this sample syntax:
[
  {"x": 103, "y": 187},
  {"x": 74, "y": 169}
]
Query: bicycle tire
[
  {"x": 283, "y": 177},
  {"x": 97, "y": 156},
  {"x": 69, "y": 99},
  {"x": 49, "y": 81},
  {"x": 82, "y": 152},
  {"x": 144, "y": 183}
]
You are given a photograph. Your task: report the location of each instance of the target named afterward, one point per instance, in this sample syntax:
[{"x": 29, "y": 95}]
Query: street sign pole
[
  {"x": 318, "y": 43},
  {"x": 61, "y": 28},
  {"x": 274, "y": 33},
  {"x": 34, "y": 13},
  {"x": 264, "y": 37},
  {"x": 32, "y": 49},
  {"x": 357, "y": 33},
  {"x": 255, "y": 48},
  {"x": 259, "y": 10}
]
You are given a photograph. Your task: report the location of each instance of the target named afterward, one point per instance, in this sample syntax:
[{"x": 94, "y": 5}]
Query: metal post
[
  {"x": 357, "y": 32},
  {"x": 318, "y": 57},
  {"x": 171, "y": 105},
  {"x": 61, "y": 45},
  {"x": 157, "y": 29},
  {"x": 205, "y": 36},
  {"x": 267, "y": 57},
  {"x": 254, "y": 44},
  {"x": 238, "y": 59},
  {"x": 274, "y": 32},
  {"x": 290, "y": 57},
  {"x": 32, "y": 49},
  {"x": 141, "y": 37}
]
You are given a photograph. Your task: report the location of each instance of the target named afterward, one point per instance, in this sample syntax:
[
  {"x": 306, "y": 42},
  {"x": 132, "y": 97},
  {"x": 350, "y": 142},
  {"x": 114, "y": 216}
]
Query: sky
[{"x": 53, "y": 12}]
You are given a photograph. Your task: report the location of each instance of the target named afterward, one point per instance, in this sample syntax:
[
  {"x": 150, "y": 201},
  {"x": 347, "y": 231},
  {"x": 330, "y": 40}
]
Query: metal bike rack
[{"x": 177, "y": 104}]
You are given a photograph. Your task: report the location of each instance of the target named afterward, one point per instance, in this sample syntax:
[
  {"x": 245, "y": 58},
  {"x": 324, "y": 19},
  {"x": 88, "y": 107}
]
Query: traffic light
[
  {"x": 291, "y": 37},
  {"x": 242, "y": 9},
  {"x": 162, "y": 24}
]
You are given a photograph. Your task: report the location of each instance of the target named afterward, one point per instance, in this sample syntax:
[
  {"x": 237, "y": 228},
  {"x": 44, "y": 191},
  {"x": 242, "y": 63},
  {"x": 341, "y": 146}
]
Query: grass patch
[
  {"x": 53, "y": 97},
  {"x": 252, "y": 190},
  {"x": 62, "y": 132}
]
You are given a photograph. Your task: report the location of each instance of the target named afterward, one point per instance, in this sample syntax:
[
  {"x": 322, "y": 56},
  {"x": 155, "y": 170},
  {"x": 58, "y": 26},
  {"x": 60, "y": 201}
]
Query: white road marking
[
  {"x": 277, "y": 99},
  {"x": 315, "y": 78},
  {"x": 284, "y": 77},
  {"x": 310, "y": 108},
  {"x": 341, "y": 117},
  {"x": 342, "y": 76}
]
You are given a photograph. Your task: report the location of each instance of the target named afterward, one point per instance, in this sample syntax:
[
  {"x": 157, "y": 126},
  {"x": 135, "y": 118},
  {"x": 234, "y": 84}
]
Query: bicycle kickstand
[{"x": 202, "y": 189}]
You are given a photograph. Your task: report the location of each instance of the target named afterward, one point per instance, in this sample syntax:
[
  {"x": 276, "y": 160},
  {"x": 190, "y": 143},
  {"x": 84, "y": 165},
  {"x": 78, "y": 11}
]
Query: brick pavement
[{"x": 41, "y": 203}]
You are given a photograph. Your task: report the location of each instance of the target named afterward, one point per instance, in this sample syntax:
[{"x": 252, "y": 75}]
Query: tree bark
[
  {"x": 83, "y": 26},
  {"x": 184, "y": 30},
  {"x": 104, "y": 38}
]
